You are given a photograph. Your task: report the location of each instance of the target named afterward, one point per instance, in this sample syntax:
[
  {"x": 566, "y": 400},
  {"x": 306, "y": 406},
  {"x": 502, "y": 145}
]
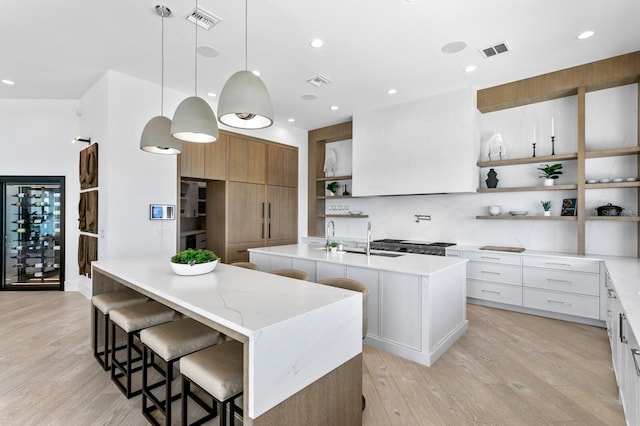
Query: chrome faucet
[
  {"x": 368, "y": 250},
  {"x": 330, "y": 226}
]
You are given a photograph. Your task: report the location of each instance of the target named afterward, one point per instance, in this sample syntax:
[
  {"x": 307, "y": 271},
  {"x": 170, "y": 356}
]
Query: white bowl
[
  {"x": 355, "y": 212},
  {"x": 592, "y": 181},
  {"x": 197, "y": 269},
  {"x": 604, "y": 181},
  {"x": 495, "y": 210},
  {"x": 618, "y": 180},
  {"x": 631, "y": 179},
  {"x": 518, "y": 212}
]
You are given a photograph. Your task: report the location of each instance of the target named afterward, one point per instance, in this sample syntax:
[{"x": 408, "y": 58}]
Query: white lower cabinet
[
  {"x": 562, "y": 285},
  {"x": 571, "y": 287},
  {"x": 401, "y": 309}
]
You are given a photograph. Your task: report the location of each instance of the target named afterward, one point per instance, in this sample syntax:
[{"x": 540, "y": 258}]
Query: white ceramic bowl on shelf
[
  {"x": 630, "y": 179},
  {"x": 592, "y": 181},
  {"x": 604, "y": 181},
  {"x": 518, "y": 212},
  {"x": 618, "y": 180}
]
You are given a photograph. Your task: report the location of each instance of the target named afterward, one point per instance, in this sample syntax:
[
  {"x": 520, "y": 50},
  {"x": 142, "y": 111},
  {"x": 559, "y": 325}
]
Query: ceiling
[{"x": 57, "y": 49}]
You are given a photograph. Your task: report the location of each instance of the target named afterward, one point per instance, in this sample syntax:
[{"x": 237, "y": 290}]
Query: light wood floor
[{"x": 508, "y": 369}]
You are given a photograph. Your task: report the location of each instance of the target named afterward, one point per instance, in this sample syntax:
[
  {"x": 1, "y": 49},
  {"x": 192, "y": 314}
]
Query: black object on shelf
[{"x": 492, "y": 180}]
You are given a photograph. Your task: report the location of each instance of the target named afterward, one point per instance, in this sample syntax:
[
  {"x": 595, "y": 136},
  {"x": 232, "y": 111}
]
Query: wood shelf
[
  {"x": 326, "y": 179},
  {"x": 332, "y": 197},
  {"x": 615, "y": 218},
  {"x": 612, "y": 185},
  {"x": 530, "y": 160},
  {"x": 526, "y": 217},
  {"x": 344, "y": 216},
  {"x": 531, "y": 188},
  {"x": 613, "y": 152}
]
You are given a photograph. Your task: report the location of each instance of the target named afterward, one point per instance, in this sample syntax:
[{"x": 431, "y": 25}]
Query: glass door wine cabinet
[{"x": 33, "y": 217}]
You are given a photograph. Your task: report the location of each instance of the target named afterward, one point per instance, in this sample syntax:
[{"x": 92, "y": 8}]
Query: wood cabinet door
[
  {"x": 247, "y": 160},
  {"x": 192, "y": 160},
  {"x": 282, "y": 166},
  {"x": 246, "y": 213},
  {"x": 282, "y": 215},
  {"x": 215, "y": 159}
]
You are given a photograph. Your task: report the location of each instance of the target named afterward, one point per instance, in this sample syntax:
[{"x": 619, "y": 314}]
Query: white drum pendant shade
[
  {"x": 245, "y": 102},
  {"x": 194, "y": 121},
  {"x": 156, "y": 137}
]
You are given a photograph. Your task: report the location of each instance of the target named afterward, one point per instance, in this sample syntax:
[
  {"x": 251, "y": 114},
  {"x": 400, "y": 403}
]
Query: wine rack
[{"x": 34, "y": 252}]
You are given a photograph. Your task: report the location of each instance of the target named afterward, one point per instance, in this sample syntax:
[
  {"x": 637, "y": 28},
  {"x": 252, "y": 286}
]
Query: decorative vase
[
  {"x": 345, "y": 192},
  {"x": 547, "y": 213},
  {"x": 548, "y": 182},
  {"x": 492, "y": 180}
]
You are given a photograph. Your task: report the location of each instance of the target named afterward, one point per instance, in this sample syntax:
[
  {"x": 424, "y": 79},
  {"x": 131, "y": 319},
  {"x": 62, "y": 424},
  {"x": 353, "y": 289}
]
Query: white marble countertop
[
  {"x": 296, "y": 331},
  {"x": 419, "y": 264}
]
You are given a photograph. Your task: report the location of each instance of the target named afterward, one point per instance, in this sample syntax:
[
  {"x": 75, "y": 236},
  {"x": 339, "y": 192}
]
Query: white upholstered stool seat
[
  {"x": 218, "y": 370},
  {"x": 104, "y": 303},
  {"x": 132, "y": 319},
  {"x": 170, "y": 342}
]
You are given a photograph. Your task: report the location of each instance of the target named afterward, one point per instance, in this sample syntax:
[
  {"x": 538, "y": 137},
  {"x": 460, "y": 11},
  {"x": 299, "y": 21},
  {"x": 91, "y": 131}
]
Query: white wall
[
  {"x": 36, "y": 140},
  {"x": 610, "y": 122}
]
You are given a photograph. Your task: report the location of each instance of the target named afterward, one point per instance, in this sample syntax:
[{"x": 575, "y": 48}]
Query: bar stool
[
  {"x": 170, "y": 342},
  {"x": 292, "y": 273},
  {"x": 246, "y": 265},
  {"x": 218, "y": 372},
  {"x": 132, "y": 319},
  {"x": 104, "y": 303}
]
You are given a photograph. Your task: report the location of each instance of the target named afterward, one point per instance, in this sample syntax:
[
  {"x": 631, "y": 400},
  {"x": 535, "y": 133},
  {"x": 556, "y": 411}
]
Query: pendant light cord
[
  {"x": 246, "y": 32},
  {"x": 162, "y": 68},
  {"x": 195, "y": 58}
]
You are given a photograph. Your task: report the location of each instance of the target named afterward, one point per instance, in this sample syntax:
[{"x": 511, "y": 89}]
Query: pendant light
[
  {"x": 194, "y": 120},
  {"x": 156, "y": 137},
  {"x": 245, "y": 102}
]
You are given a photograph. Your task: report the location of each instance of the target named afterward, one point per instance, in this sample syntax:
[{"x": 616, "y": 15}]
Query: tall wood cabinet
[{"x": 252, "y": 196}]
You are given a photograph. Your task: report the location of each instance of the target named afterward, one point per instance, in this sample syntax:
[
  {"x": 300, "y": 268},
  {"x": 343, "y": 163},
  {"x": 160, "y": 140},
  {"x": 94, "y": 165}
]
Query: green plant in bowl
[
  {"x": 194, "y": 257},
  {"x": 333, "y": 187}
]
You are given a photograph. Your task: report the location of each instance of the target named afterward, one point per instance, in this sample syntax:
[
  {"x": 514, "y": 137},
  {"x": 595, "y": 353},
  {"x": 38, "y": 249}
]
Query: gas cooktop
[{"x": 408, "y": 246}]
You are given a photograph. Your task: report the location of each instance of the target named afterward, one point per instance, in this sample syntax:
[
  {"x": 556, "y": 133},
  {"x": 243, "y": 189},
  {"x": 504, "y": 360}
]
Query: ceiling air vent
[
  {"x": 203, "y": 18},
  {"x": 318, "y": 81},
  {"x": 495, "y": 49}
]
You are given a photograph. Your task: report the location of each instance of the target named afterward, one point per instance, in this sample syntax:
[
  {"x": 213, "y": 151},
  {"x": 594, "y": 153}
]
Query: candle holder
[
  {"x": 553, "y": 147},
  {"x": 534, "y": 149}
]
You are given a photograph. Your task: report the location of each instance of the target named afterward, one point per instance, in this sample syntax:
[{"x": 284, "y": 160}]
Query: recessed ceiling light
[
  {"x": 213, "y": 95},
  {"x": 586, "y": 34},
  {"x": 207, "y": 51},
  {"x": 316, "y": 42},
  {"x": 8, "y": 82},
  {"x": 334, "y": 108},
  {"x": 291, "y": 120},
  {"x": 454, "y": 47},
  {"x": 470, "y": 68},
  {"x": 392, "y": 92},
  {"x": 256, "y": 73},
  {"x": 309, "y": 97}
]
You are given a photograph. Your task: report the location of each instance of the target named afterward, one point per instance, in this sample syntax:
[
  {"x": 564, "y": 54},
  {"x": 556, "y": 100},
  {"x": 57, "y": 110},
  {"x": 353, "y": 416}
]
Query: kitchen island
[
  {"x": 417, "y": 303},
  {"x": 302, "y": 341}
]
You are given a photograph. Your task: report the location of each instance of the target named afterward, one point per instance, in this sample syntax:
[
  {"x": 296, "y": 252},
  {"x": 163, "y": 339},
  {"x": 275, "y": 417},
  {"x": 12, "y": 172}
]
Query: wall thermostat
[{"x": 162, "y": 212}]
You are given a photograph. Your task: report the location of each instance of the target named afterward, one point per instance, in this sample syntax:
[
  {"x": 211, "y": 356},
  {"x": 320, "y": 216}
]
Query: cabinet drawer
[
  {"x": 570, "y": 304},
  {"x": 494, "y": 257},
  {"x": 508, "y": 274},
  {"x": 501, "y": 293},
  {"x": 570, "y": 282},
  {"x": 238, "y": 252},
  {"x": 580, "y": 265}
]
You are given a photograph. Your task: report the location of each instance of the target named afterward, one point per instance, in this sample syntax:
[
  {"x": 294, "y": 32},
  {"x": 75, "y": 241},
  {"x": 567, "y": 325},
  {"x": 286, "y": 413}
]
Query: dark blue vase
[{"x": 492, "y": 180}]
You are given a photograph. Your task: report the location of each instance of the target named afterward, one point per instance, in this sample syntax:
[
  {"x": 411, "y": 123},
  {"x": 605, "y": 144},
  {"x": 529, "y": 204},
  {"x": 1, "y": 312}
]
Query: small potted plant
[
  {"x": 546, "y": 205},
  {"x": 333, "y": 188},
  {"x": 550, "y": 173},
  {"x": 194, "y": 262},
  {"x": 333, "y": 246}
]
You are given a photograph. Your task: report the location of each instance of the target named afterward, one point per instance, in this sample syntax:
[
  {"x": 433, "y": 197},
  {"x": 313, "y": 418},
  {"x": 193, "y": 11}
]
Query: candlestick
[
  {"x": 553, "y": 139},
  {"x": 553, "y": 133},
  {"x": 534, "y": 149}
]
